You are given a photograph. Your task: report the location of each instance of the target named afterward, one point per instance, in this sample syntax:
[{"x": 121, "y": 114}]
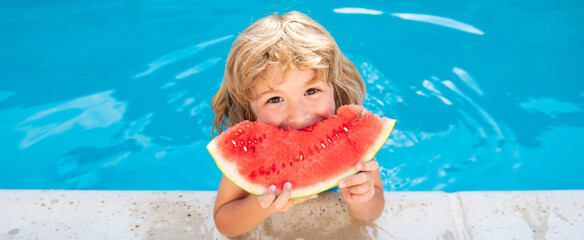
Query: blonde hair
[{"x": 292, "y": 41}]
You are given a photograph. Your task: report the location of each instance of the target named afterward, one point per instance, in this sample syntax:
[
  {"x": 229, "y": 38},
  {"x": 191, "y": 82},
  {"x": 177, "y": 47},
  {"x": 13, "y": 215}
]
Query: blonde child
[{"x": 288, "y": 71}]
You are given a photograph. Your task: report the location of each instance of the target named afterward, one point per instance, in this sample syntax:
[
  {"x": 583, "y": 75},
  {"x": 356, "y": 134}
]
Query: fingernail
[
  {"x": 288, "y": 185},
  {"x": 342, "y": 184},
  {"x": 314, "y": 196},
  {"x": 359, "y": 166},
  {"x": 273, "y": 188}
]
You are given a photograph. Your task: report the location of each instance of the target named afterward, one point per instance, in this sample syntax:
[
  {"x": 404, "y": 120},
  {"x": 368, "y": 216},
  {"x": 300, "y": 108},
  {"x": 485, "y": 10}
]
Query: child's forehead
[{"x": 274, "y": 76}]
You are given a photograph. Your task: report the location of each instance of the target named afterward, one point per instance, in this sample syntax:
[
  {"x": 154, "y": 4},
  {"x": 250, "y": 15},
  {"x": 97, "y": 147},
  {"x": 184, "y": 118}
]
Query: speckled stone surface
[
  {"x": 524, "y": 215},
  {"x": 49, "y": 214}
]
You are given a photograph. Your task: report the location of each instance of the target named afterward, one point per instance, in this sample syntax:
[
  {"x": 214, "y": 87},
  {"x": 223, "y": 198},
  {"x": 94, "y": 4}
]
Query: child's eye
[
  {"x": 312, "y": 91},
  {"x": 274, "y": 100}
]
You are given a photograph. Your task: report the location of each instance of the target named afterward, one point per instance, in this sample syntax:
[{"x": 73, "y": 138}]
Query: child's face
[{"x": 293, "y": 101}]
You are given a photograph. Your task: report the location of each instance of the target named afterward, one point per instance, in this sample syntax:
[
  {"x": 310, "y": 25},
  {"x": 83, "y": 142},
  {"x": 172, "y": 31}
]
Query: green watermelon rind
[{"x": 227, "y": 167}]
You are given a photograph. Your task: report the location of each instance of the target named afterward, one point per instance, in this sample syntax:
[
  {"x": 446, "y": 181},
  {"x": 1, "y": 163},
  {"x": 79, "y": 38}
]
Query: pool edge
[{"x": 63, "y": 214}]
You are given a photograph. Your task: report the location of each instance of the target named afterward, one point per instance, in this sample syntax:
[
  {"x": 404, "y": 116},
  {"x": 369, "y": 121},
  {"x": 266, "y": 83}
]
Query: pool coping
[{"x": 73, "y": 214}]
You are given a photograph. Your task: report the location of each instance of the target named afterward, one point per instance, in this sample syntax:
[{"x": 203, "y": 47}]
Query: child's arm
[
  {"x": 237, "y": 212},
  {"x": 364, "y": 192}
]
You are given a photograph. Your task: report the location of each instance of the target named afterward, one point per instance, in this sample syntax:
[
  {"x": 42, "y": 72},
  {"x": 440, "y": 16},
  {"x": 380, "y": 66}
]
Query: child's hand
[
  {"x": 360, "y": 187},
  {"x": 283, "y": 202}
]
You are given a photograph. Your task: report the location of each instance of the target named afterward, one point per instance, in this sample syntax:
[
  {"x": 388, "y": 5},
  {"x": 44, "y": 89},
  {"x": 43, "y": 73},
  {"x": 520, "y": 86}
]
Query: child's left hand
[{"x": 360, "y": 188}]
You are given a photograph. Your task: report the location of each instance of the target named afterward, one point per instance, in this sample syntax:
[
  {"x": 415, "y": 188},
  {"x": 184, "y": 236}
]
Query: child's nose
[{"x": 299, "y": 115}]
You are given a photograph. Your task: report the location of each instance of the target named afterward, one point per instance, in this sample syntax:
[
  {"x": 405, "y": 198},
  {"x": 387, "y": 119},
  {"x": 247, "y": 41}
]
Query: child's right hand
[{"x": 283, "y": 202}]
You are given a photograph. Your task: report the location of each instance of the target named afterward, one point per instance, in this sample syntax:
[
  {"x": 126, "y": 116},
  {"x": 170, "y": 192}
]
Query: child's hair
[{"x": 291, "y": 41}]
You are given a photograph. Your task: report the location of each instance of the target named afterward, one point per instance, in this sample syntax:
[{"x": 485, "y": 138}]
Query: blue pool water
[{"x": 489, "y": 95}]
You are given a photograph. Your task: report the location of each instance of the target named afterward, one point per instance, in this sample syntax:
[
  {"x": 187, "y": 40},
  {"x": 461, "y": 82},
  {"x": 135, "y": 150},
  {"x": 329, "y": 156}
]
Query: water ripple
[
  {"x": 549, "y": 106},
  {"x": 179, "y": 54},
  {"x": 466, "y": 78},
  {"x": 94, "y": 111},
  {"x": 350, "y": 10},
  {"x": 442, "y": 21},
  {"x": 199, "y": 68}
]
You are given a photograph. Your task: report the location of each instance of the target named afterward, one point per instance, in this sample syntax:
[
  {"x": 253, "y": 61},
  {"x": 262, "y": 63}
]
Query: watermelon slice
[{"x": 255, "y": 155}]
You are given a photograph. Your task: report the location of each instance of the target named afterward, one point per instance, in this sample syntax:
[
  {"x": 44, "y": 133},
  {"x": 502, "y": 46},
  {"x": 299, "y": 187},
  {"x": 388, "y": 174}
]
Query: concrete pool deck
[{"x": 59, "y": 214}]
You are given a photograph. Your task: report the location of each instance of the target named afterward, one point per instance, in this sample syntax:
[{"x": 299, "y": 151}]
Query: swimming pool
[{"x": 489, "y": 95}]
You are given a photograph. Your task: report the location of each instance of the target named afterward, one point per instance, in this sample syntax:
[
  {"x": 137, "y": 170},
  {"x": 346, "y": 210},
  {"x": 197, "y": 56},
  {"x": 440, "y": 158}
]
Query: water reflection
[
  {"x": 442, "y": 21},
  {"x": 466, "y": 78},
  {"x": 440, "y": 150},
  {"x": 94, "y": 111},
  {"x": 349, "y": 10},
  {"x": 178, "y": 55},
  {"x": 549, "y": 106},
  {"x": 199, "y": 68}
]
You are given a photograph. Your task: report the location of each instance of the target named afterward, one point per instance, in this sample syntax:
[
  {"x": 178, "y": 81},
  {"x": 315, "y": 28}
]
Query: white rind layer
[
  {"x": 229, "y": 167},
  {"x": 237, "y": 179}
]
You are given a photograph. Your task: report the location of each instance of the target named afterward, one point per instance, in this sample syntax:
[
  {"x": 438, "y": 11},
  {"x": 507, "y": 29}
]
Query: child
[{"x": 288, "y": 71}]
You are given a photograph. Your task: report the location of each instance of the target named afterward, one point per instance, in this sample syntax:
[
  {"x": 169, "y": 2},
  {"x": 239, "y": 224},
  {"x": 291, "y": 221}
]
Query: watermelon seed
[
  {"x": 247, "y": 125},
  {"x": 336, "y": 135},
  {"x": 329, "y": 140},
  {"x": 346, "y": 130},
  {"x": 234, "y": 143},
  {"x": 301, "y": 157},
  {"x": 244, "y": 148},
  {"x": 323, "y": 146}
]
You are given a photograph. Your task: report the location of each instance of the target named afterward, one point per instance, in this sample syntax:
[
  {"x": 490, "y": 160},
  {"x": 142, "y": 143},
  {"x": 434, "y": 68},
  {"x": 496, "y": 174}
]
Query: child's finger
[
  {"x": 367, "y": 166},
  {"x": 360, "y": 178},
  {"x": 363, "y": 197},
  {"x": 346, "y": 195},
  {"x": 301, "y": 200},
  {"x": 266, "y": 200},
  {"x": 361, "y": 188},
  {"x": 284, "y": 196}
]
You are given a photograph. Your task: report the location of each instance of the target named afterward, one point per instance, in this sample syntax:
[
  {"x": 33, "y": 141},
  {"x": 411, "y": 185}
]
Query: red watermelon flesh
[{"x": 255, "y": 155}]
